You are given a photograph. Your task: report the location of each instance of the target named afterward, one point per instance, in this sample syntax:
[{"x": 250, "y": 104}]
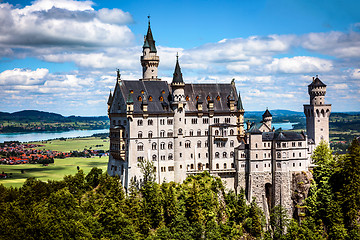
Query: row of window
[
  {"x": 150, "y": 122},
  {"x": 140, "y": 146},
  {"x": 279, "y": 145},
  {"x": 200, "y": 166},
  {"x": 191, "y": 133},
  {"x": 268, "y": 165},
  {"x": 278, "y": 155}
]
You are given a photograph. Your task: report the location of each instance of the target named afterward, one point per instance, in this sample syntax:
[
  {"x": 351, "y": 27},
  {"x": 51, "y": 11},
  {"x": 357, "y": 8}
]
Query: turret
[
  {"x": 178, "y": 106},
  {"x": 240, "y": 118},
  {"x": 267, "y": 119},
  {"x": 317, "y": 112},
  {"x": 149, "y": 59}
]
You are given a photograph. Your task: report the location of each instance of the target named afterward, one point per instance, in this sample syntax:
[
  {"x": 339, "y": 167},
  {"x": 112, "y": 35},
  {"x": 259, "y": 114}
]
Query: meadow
[
  {"x": 75, "y": 144},
  {"x": 54, "y": 171}
]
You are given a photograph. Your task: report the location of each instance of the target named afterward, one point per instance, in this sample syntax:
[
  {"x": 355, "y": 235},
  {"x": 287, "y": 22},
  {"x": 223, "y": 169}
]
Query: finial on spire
[
  {"x": 149, "y": 19},
  {"x": 177, "y": 56},
  {"x": 118, "y": 75},
  {"x": 317, "y": 76}
]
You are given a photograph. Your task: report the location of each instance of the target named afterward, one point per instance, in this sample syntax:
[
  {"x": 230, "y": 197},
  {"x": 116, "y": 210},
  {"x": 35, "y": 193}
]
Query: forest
[{"x": 96, "y": 206}]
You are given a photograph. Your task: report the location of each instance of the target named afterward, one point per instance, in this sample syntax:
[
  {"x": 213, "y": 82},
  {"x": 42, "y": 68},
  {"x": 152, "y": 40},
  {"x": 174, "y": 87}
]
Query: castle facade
[{"x": 186, "y": 128}]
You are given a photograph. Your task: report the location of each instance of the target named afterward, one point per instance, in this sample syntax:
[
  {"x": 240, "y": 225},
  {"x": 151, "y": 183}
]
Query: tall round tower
[
  {"x": 317, "y": 112},
  {"x": 178, "y": 105},
  {"x": 149, "y": 59}
]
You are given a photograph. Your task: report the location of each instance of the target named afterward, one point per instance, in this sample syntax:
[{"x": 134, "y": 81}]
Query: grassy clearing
[
  {"x": 55, "y": 171},
  {"x": 75, "y": 144}
]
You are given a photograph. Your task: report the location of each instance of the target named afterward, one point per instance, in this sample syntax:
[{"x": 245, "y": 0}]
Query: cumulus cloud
[
  {"x": 63, "y": 24},
  {"x": 300, "y": 64},
  {"x": 23, "y": 77}
]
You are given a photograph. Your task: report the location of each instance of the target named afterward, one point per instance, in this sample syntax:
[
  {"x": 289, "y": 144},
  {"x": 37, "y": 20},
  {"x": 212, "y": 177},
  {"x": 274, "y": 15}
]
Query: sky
[{"x": 61, "y": 56}]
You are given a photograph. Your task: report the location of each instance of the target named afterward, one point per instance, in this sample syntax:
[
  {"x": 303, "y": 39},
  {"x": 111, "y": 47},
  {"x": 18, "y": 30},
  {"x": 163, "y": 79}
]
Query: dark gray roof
[
  {"x": 254, "y": 129},
  {"x": 218, "y": 93},
  {"x": 149, "y": 40},
  {"x": 152, "y": 89},
  {"x": 267, "y": 114},
  {"x": 239, "y": 105},
  {"x": 177, "y": 77},
  {"x": 317, "y": 83},
  {"x": 283, "y": 136}
]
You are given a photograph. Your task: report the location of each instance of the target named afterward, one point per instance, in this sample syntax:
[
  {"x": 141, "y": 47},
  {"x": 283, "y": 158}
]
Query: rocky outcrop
[{"x": 300, "y": 186}]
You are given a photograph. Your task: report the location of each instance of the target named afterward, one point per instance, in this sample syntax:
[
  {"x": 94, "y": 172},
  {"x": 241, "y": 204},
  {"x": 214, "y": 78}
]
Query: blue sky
[{"x": 61, "y": 56}]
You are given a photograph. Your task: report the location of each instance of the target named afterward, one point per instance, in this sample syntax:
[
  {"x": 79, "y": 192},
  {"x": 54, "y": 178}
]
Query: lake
[{"x": 39, "y": 136}]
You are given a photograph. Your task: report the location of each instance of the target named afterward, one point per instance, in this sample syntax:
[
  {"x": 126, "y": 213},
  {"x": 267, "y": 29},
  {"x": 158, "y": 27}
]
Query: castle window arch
[
  {"x": 140, "y": 122},
  {"x": 153, "y": 146},
  {"x": 162, "y": 133},
  {"x": 224, "y": 165},
  {"x": 140, "y": 147},
  {"x": 170, "y": 133},
  {"x": 170, "y": 145},
  {"x": 216, "y": 132},
  {"x": 150, "y": 134},
  {"x": 150, "y": 122},
  {"x": 217, "y": 166},
  {"x": 154, "y": 157},
  {"x": 317, "y": 113},
  {"x": 199, "y": 132},
  {"x": 150, "y": 98},
  {"x": 162, "y": 146},
  {"x": 208, "y": 98},
  {"x": 278, "y": 155},
  {"x": 180, "y": 131},
  {"x": 170, "y": 157},
  {"x": 231, "y": 143},
  {"x": 224, "y": 154},
  {"x": 139, "y": 98},
  {"x": 187, "y": 98},
  {"x": 191, "y": 132},
  {"x": 218, "y": 98},
  {"x": 231, "y": 154},
  {"x": 161, "y": 99},
  {"x": 187, "y": 144},
  {"x": 198, "y": 144},
  {"x": 217, "y": 155},
  {"x": 322, "y": 113},
  {"x": 140, "y": 134},
  {"x": 232, "y": 132}
]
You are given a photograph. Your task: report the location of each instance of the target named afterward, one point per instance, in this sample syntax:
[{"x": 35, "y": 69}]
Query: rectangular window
[{"x": 170, "y": 168}]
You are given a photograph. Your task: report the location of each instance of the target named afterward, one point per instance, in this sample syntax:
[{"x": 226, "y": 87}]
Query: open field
[
  {"x": 55, "y": 171},
  {"x": 75, "y": 144}
]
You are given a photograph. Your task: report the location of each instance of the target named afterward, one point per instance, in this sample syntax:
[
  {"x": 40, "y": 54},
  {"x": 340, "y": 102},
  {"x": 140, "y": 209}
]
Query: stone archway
[{"x": 269, "y": 195}]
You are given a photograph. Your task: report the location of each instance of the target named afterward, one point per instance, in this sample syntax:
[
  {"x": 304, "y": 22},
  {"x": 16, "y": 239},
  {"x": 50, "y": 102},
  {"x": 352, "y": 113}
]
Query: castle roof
[
  {"x": 239, "y": 104},
  {"x": 282, "y": 136},
  {"x": 177, "y": 77},
  {"x": 149, "y": 41},
  {"x": 254, "y": 129},
  {"x": 266, "y": 114},
  {"x": 317, "y": 83}
]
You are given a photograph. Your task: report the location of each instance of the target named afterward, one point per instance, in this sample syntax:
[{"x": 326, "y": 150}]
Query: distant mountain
[
  {"x": 274, "y": 113},
  {"x": 35, "y": 115}
]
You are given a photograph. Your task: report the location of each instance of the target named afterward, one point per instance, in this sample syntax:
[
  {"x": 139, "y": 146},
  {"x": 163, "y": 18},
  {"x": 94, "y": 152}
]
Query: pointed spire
[
  {"x": 149, "y": 41},
  {"x": 110, "y": 98},
  {"x": 239, "y": 105},
  {"x": 177, "y": 77},
  {"x": 118, "y": 75},
  {"x": 267, "y": 113}
]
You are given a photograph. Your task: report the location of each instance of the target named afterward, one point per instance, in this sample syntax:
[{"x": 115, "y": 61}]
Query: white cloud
[
  {"x": 300, "y": 64},
  {"x": 24, "y": 77},
  {"x": 355, "y": 74}
]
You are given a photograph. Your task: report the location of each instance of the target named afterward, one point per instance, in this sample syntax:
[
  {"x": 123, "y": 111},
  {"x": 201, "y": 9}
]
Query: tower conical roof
[
  {"x": 177, "y": 77},
  {"x": 149, "y": 41},
  {"x": 317, "y": 83},
  {"x": 239, "y": 104},
  {"x": 110, "y": 98},
  {"x": 267, "y": 114}
]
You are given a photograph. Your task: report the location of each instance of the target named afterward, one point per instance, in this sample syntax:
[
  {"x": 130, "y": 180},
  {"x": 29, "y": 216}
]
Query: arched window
[
  {"x": 170, "y": 145},
  {"x": 170, "y": 157},
  {"x": 278, "y": 155},
  {"x": 140, "y": 122},
  {"x": 231, "y": 154},
  {"x": 150, "y": 122},
  {"x": 218, "y": 98},
  {"x": 231, "y": 132},
  {"x": 180, "y": 131},
  {"x": 170, "y": 133},
  {"x": 187, "y": 98},
  {"x": 231, "y": 143},
  {"x": 154, "y": 157},
  {"x": 153, "y": 146},
  {"x": 161, "y": 99},
  {"x": 150, "y": 98},
  {"x": 162, "y": 146},
  {"x": 140, "y": 147},
  {"x": 216, "y": 132},
  {"x": 217, "y": 166},
  {"x": 187, "y": 144},
  {"x": 206, "y": 143},
  {"x": 199, "y": 144},
  {"x": 139, "y": 98},
  {"x": 217, "y": 155},
  {"x": 150, "y": 134},
  {"x": 199, "y": 166},
  {"x": 199, "y": 132},
  {"x": 192, "y": 166},
  {"x": 140, "y": 134},
  {"x": 208, "y": 98},
  {"x": 191, "y": 132},
  {"x": 224, "y": 154},
  {"x": 224, "y": 165},
  {"x": 255, "y": 145},
  {"x": 162, "y": 133}
]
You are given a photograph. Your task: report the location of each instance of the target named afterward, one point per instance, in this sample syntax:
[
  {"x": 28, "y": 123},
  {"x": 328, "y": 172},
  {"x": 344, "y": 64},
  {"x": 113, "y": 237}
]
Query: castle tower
[
  {"x": 149, "y": 59},
  {"x": 178, "y": 105},
  {"x": 267, "y": 118},
  {"x": 317, "y": 112},
  {"x": 240, "y": 119}
]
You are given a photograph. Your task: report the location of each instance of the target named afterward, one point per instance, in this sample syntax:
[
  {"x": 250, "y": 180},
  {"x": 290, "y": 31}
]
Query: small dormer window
[
  {"x": 140, "y": 98},
  {"x": 163, "y": 91},
  {"x": 208, "y": 98},
  {"x": 197, "y": 98},
  {"x": 150, "y": 99},
  {"x": 161, "y": 99},
  {"x": 142, "y": 91},
  {"x": 187, "y": 98},
  {"x": 218, "y": 98},
  {"x": 131, "y": 91}
]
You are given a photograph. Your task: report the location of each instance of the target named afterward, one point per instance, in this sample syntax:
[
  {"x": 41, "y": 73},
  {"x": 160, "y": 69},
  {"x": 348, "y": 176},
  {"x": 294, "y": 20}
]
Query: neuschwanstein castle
[{"x": 187, "y": 128}]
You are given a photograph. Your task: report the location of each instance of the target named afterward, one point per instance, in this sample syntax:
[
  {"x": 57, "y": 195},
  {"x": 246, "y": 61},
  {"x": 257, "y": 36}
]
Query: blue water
[{"x": 39, "y": 136}]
